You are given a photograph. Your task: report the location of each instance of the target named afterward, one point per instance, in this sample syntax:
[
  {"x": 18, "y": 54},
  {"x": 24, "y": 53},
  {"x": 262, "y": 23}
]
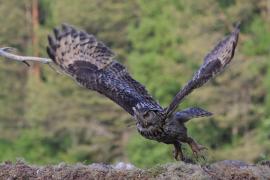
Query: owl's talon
[
  {"x": 178, "y": 154},
  {"x": 175, "y": 154},
  {"x": 196, "y": 148}
]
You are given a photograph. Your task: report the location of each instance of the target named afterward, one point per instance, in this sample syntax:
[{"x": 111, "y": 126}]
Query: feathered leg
[{"x": 178, "y": 154}]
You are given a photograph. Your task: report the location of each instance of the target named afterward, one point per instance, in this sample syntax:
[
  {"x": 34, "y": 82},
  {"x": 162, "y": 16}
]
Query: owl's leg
[
  {"x": 178, "y": 154},
  {"x": 195, "y": 147}
]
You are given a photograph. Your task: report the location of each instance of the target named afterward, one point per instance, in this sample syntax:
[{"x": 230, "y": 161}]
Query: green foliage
[
  {"x": 154, "y": 46},
  {"x": 34, "y": 146},
  {"x": 222, "y": 135},
  {"x": 147, "y": 153},
  {"x": 260, "y": 38}
]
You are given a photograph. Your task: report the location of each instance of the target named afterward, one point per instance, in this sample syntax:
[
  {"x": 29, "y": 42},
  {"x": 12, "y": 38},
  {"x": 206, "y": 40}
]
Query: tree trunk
[
  {"x": 36, "y": 70},
  {"x": 268, "y": 10}
]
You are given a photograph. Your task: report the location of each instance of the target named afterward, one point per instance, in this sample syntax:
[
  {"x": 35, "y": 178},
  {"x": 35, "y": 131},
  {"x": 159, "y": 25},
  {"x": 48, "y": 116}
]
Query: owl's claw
[
  {"x": 178, "y": 154},
  {"x": 196, "y": 148}
]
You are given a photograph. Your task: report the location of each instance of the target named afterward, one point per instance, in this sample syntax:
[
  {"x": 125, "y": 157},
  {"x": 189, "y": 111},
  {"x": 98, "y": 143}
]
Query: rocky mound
[{"x": 227, "y": 169}]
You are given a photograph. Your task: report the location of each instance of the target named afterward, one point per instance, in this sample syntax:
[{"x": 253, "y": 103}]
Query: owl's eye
[{"x": 146, "y": 115}]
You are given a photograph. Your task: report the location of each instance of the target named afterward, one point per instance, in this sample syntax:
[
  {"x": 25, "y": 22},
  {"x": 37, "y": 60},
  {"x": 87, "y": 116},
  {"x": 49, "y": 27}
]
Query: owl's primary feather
[
  {"x": 214, "y": 62},
  {"x": 92, "y": 65}
]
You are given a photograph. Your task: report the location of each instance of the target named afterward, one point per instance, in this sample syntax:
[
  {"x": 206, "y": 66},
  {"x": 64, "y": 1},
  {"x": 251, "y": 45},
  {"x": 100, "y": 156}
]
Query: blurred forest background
[{"x": 46, "y": 118}]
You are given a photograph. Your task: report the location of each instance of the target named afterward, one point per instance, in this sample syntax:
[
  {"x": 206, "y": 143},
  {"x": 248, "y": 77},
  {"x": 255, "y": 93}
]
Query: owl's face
[
  {"x": 148, "y": 118},
  {"x": 152, "y": 125}
]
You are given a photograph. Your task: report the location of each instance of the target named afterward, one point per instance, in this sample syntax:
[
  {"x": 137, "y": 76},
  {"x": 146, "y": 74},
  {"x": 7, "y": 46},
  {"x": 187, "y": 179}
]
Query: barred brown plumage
[
  {"x": 92, "y": 64},
  {"x": 214, "y": 62}
]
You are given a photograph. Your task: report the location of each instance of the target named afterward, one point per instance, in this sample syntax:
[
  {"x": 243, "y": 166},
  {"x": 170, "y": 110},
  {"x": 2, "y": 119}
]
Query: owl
[{"x": 93, "y": 65}]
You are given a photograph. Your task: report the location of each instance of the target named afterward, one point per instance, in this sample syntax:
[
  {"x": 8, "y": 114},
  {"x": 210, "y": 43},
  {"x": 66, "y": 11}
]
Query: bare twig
[{"x": 5, "y": 52}]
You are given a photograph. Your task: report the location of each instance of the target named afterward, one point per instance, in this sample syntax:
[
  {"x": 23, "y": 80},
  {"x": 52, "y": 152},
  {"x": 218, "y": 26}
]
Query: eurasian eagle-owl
[{"x": 92, "y": 64}]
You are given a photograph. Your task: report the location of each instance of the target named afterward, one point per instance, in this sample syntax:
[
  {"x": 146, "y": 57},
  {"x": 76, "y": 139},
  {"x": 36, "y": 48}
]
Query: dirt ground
[{"x": 227, "y": 169}]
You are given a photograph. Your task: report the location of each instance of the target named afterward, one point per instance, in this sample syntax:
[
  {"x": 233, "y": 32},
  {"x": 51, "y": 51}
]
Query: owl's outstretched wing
[
  {"x": 92, "y": 65},
  {"x": 214, "y": 62}
]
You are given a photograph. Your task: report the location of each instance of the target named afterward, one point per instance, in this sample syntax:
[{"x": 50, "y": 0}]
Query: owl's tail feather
[{"x": 190, "y": 113}]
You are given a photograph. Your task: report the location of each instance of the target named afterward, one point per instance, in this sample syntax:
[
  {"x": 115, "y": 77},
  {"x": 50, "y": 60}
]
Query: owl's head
[{"x": 146, "y": 118}]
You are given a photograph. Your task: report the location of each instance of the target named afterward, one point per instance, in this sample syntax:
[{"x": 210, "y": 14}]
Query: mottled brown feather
[
  {"x": 214, "y": 62},
  {"x": 92, "y": 65}
]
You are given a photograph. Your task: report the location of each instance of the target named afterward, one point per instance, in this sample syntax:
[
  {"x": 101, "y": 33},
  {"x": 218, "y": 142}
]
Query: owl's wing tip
[{"x": 237, "y": 27}]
